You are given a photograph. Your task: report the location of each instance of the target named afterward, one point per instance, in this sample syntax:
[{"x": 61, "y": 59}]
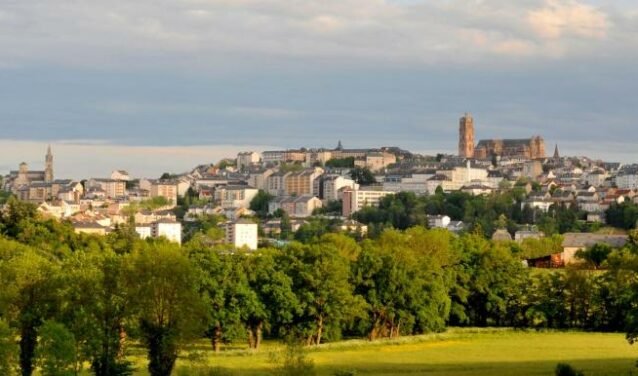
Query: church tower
[
  {"x": 466, "y": 136},
  {"x": 48, "y": 169}
]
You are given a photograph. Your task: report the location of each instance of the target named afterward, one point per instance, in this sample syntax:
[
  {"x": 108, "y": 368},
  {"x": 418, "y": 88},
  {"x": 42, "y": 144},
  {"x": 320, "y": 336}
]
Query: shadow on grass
[{"x": 592, "y": 367}]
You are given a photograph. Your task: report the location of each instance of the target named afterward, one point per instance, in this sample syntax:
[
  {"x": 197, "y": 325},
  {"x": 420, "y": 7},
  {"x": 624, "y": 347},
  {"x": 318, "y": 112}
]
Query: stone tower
[
  {"x": 48, "y": 169},
  {"x": 556, "y": 153},
  {"x": 466, "y": 136}
]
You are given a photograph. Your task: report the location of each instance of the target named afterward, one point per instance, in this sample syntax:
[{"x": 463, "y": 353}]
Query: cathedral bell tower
[{"x": 466, "y": 136}]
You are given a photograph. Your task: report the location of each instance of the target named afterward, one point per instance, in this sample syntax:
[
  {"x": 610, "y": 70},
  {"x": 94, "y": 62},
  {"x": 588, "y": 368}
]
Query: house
[
  {"x": 351, "y": 225},
  {"x": 89, "y": 227},
  {"x": 295, "y": 206},
  {"x": 573, "y": 242},
  {"x": 273, "y": 226},
  {"x": 242, "y": 233},
  {"x": 235, "y": 196},
  {"x": 477, "y": 189},
  {"x": 438, "y": 221}
]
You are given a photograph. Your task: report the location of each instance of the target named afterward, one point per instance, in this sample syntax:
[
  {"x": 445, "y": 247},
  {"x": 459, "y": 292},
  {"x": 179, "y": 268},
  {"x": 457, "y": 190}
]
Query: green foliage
[
  {"x": 363, "y": 176},
  {"x": 28, "y": 297},
  {"x": 8, "y": 350},
  {"x": 340, "y": 162},
  {"x": 162, "y": 284},
  {"x": 532, "y": 248},
  {"x": 154, "y": 203},
  {"x": 595, "y": 255},
  {"x": 259, "y": 204},
  {"x": 56, "y": 350},
  {"x": 623, "y": 215}
]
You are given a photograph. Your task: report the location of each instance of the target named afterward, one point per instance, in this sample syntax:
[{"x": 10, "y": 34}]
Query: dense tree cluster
[
  {"x": 71, "y": 299},
  {"x": 480, "y": 213}
]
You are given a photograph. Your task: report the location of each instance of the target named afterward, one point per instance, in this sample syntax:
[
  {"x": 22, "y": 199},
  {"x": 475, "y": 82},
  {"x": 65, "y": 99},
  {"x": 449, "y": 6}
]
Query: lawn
[{"x": 457, "y": 352}]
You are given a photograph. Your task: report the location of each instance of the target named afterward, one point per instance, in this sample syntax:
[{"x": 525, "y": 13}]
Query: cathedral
[
  {"x": 24, "y": 177},
  {"x": 528, "y": 148}
]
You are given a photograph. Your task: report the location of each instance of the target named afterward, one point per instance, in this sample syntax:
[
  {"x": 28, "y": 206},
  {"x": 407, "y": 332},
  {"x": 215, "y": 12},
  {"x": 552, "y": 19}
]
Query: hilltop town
[{"x": 270, "y": 197}]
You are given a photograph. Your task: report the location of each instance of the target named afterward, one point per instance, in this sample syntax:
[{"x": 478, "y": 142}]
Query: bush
[
  {"x": 563, "y": 369},
  {"x": 293, "y": 362},
  {"x": 8, "y": 350},
  {"x": 56, "y": 350}
]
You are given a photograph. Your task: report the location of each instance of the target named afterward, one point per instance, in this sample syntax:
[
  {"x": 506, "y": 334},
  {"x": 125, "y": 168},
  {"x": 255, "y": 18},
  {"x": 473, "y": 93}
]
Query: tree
[
  {"x": 595, "y": 255},
  {"x": 276, "y": 303},
  {"x": 320, "y": 281},
  {"x": 362, "y": 175},
  {"x": 96, "y": 304},
  {"x": 163, "y": 288},
  {"x": 29, "y": 297},
  {"x": 340, "y": 163},
  {"x": 259, "y": 204},
  {"x": 56, "y": 350},
  {"x": 8, "y": 350}
]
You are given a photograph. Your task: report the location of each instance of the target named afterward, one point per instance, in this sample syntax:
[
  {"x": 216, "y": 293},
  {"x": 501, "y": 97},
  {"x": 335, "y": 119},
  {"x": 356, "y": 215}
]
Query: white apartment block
[
  {"x": 627, "y": 181},
  {"x": 171, "y": 230},
  {"x": 242, "y": 233},
  {"x": 416, "y": 183},
  {"x": 246, "y": 159},
  {"x": 235, "y": 196},
  {"x": 333, "y": 184},
  {"x": 355, "y": 200}
]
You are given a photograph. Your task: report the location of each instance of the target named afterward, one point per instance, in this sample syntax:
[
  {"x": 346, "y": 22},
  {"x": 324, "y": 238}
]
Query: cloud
[
  {"x": 210, "y": 34},
  {"x": 568, "y": 18}
]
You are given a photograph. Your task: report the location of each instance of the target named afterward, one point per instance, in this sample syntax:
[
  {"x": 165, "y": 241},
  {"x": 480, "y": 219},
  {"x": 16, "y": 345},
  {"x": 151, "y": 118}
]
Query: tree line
[{"x": 69, "y": 299}]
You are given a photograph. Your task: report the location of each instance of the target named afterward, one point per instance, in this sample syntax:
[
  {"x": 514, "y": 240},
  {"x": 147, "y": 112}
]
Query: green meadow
[{"x": 462, "y": 352}]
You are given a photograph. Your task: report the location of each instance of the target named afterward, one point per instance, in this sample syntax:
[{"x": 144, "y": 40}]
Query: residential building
[
  {"x": 246, "y": 159},
  {"x": 355, "y": 199},
  {"x": 235, "y": 196},
  {"x": 112, "y": 188},
  {"x": 167, "y": 228},
  {"x": 332, "y": 185},
  {"x": 574, "y": 242},
  {"x": 302, "y": 182},
  {"x": 164, "y": 188},
  {"x": 242, "y": 233}
]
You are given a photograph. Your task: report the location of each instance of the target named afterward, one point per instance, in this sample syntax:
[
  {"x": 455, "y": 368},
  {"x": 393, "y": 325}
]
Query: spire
[
  {"x": 339, "y": 146},
  {"x": 49, "y": 150},
  {"x": 556, "y": 153}
]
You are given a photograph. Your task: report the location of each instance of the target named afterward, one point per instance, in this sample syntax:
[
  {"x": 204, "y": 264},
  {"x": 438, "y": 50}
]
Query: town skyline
[{"x": 391, "y": 72}]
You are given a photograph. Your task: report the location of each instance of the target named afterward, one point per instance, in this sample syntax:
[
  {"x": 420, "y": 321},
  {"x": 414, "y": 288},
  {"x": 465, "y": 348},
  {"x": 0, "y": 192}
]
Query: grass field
[{"x": 457, "y": 352}]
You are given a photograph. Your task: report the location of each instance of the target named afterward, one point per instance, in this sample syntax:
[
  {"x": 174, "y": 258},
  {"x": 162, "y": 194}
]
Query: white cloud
[
  {"x": 560, "y": 18},
  {"x": 146, "y": 33}
]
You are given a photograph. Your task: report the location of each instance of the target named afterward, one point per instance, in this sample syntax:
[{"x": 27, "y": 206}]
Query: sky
[{"x": 153, "y": 86}]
